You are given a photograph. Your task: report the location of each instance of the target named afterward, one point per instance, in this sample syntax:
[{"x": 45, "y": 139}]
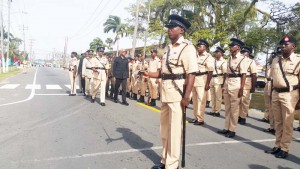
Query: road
[{"x": 41, "y": 127}]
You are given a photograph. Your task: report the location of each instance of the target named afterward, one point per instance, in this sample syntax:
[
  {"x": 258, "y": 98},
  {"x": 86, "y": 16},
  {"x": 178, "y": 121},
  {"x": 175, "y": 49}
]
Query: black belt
[
  {"x": 248, "y": 75},
  {"x": 100, "y": 68},
  {"x": 88, "y": 68},
  {"x": 285, "y": 89},
  {"x": 234, "y": 75},
  {"x": 269, "y": 79},
  {"x": 172, "y": 76},
  {"x": 200, "y": 73},
  {"x": 218, "y": 75}
]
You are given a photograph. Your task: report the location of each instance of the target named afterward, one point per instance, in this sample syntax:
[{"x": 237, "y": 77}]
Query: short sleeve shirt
[
  {"x": 251, "y": 69},
  {"x": 205, "y": 64},
  {"x": 154, "y": 64},
  {"x": 220, "y": 68}
]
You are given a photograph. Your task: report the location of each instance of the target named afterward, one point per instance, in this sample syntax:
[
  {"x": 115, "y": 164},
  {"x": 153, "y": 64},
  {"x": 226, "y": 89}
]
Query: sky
[{"x": 47, "y": 23}]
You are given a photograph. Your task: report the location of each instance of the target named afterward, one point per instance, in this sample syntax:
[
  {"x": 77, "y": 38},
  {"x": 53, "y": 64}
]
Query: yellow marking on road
[{"x": 149, "y": 107}]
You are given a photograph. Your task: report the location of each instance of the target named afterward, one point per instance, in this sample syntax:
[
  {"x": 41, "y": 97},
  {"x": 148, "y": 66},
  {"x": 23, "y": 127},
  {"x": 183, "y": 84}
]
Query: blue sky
[{"x": 50, "y": 21}]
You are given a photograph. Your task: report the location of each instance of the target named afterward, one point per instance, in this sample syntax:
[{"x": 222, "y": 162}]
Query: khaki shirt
[
  {"x": 72, "y": 63},
  {"x": 102, "y": 64},
  {"x": 137, "y": 65},
  {"x": 154, "y": 64},
  {"x": 87, "y": 67},
  {"x": 205, "y": 64},
  {"x": 290, "y": 68},
  {"x": 187, "y": 63},
  {"x": 251, "y": 69},
  {"x": 268, "y": 82},
  {"x": 220, "y": 68},
  {"x": 145, "y": 65},
  {"x": 238, "y": 65}
]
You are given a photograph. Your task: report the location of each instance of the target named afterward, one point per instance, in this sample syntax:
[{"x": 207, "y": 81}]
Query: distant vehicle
[{"x": 260, "y": 84}]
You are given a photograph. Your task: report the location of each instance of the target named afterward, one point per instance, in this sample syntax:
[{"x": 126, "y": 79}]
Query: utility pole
[
  {"x": 146, "y": 35},
  {"x": 30, "y": 50},
  {"x": 135, "y": 27},
  {"x": 2, "y": 39},
  {"x": 8, "y": 33},
  {"x": 65, "y": 52},
  {"x": 24, "y": 28}
]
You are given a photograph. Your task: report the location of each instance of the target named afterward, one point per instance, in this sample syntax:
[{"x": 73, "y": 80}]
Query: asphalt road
[{"x": 41, "y": 127}]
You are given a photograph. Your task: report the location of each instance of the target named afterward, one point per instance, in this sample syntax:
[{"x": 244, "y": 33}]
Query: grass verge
[{"x": 4, "y": 76}]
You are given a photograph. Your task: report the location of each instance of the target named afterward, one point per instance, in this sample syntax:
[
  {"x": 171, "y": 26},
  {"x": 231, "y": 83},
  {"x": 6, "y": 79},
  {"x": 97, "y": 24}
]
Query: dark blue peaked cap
[
  {"x": 219, "y": 49},
  {"x": 100, "y": 49},
  {"x": 235, "y": 41},
  {"x": 246, "y": 49},
  {"x": 202, "y": 42},
  {"x": 176, "y": 20},
  {"x": 287, "y": 39},
  {"x": 90, "y": 51}
]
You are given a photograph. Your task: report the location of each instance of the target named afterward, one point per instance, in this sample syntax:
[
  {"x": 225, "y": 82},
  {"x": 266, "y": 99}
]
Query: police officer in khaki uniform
[
  {"x": 136, "y": 67},
  {"x": 285, "y": 71},
  {"x": 220, "y": 70},
  {"x": 143, "y": 80},
  {"x": 154, "y": 66},
  {"x": 128, "y": 85},
  {"x": 73, "y": 66},
  {"x": 99, "y": 67},
  {"x": 249, "y": 84},
  {"x": 179, "y": 66},
  {"x": 87, "y": 72},
  {"x": 233, "y": 87},
  {"x": 202, "y": 81}
]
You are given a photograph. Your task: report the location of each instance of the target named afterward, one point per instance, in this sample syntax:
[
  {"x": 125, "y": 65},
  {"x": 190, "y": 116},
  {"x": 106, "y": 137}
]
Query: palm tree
[
  {"x": 113, "y": 23},
  {"x": 97, "y": 42},
  {"x": 109, "y": 42}
]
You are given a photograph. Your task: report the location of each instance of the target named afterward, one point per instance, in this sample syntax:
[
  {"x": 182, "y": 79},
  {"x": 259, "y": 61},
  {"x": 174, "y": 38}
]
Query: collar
[
  {"x": 179, "y": 41},
  {"x": 221, "y": 59},
  {"x": 291, "y": 57}
]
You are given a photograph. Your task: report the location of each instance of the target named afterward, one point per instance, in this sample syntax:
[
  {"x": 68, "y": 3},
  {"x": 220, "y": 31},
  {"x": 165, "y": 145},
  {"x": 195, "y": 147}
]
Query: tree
[
  {"x": 109, "y": 43},
  {"x": 97, "y": 42},
  {"x": 113, "y": 23}
]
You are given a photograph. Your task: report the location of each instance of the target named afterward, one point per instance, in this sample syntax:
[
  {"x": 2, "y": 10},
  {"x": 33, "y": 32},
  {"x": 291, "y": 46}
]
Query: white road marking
[
  {"x": 58, "y": 94},
  {"x": 51, "y": 87},
  {"x": 35, "y": 86},
  {"x": 69, "y": 86},
  {"x": 147, "y": 149},
  {"x": 30, "y": 96},
  {"x": 9, "y": 86}
]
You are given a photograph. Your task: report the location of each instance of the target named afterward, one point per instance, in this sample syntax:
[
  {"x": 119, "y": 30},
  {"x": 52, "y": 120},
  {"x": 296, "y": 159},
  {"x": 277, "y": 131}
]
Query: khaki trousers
[
  {"x": 153, "y": 88},
  {"x": 208, "y": 95},
  {"x": 144, "y": 86},
  {"x": 283, "y": 107},
  {"x": 268, "y": 112},
  {"x": 88, "y": 83},
  {"x": 135, "y": 85},
  {"x": 99, "y": 84},
  {"x": 232, "y": 103},
  {"x": 245, "y": 103},
  {"x": 216, "y": 97},
  {"x": 199, "y": 102},
  {"x": 128, "y": 85},
  {"x": 171, "y": 130},
  {"x": 73, "y": 83}
]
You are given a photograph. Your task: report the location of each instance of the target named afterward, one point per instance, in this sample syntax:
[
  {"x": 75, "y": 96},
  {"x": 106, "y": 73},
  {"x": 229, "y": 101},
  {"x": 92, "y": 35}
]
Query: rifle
[{"x": 183, "y": 136}]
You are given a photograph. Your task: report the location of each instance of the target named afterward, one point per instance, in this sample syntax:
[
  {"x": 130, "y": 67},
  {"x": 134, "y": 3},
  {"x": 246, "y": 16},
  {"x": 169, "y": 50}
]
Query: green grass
[
  {"x": 257, "y": 102},
  {"x": 4, "y": 76}
]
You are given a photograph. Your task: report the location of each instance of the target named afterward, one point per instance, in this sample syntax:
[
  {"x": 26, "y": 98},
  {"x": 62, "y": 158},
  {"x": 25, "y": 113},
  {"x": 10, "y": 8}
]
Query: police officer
[
  {"x": 99, "y": 67},
  {"x": 87, "y": 72},
  {"x": 202, "y": 81},
  {"x": 220, "y": 70},
  {"x": 285, "y": 96},
  {"x": 73, "y": 66},
  {"x": 154, "y": 66},
  {"x": 129, "y": 79},
  {"x": 143, "y": 80},
  {"x": 233, "y": 87},
  {"x": 135, "y": 77},
  {"x": 249, "y": 84},
  {"x": 179, "y": 66}
]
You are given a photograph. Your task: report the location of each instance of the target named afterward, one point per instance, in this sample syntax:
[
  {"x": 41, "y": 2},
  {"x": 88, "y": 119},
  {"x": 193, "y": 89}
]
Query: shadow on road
[
  {"x": 256, "y": 166},
  {"x": 136, "y": 142}
]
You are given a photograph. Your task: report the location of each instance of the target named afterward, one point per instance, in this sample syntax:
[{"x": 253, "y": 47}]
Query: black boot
[
  {"x": 207, "y": 104},
  {"x": 134, "y": 96},
  {"x": 127, "y": 94},
  {"x": 141, "y": 99},
  {"x": 153, "y": 102}
]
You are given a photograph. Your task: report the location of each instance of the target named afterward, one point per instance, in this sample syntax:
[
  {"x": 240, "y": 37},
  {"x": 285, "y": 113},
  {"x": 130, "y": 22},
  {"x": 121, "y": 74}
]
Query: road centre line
[
  {"x": 58, "y": 94},
  {"x": 30, "y": 96},
  {"x": 146, "y": 149}
]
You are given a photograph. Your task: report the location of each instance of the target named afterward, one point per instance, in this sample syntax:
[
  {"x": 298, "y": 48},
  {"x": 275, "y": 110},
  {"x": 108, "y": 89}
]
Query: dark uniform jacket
[
  {"x": 80, "y": 65},
  {"x": 120, "y": 68}
]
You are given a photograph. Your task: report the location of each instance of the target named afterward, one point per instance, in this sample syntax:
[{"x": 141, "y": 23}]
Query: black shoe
[
  {"x": 116, "y": 101},
  {"x": 102, "y": 104},
  {"x": 297, "y": 129},
  {"x": 207, "y": 104},
  {"x": 242, "y": 121},
  {"x": 72, "y": 94},
  {"x": 274, "y": 150},
  {"x": 224, "y": 131},
  {"x": 217, "y": 114},
  {"x": 127, "y": 94},
  {"x": 125, "y": 103},
  {"x": 153, "y": 102},
  {"x": 230, "y": 134},
  {"x": 239, "y": 119},
  {"x": 193, "y": 121},
  {"x": 269, "y": 130},
  {"x": 134, "y": 96},
  {"x": 264, "y": 120},
  {"x": 282, "y": 154},
  {"x": 211, "y": 113},
  {"x": 142, "y": 99},
  {"x": 199, "y": 123},
  {"x": 158, "y": 166},
  {"x": 93, "y": 100}
]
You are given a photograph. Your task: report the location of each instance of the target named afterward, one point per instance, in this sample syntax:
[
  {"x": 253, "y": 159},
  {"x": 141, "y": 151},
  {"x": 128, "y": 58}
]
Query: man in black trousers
[
  {"x": 81, "y": 80},
  {"x": 121, "y": 73}
]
